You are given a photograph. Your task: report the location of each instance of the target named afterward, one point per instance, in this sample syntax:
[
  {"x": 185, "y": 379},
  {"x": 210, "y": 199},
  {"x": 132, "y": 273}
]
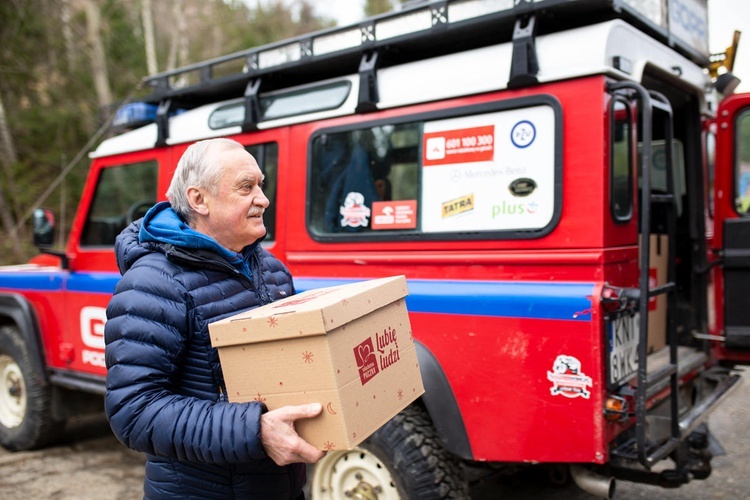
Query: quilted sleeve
[{"x": 145, "y": 337}]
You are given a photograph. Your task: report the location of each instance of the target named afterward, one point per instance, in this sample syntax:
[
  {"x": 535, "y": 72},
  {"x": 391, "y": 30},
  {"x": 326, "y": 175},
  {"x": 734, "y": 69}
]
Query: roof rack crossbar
[
  {"x": 162, "y": 122},
  {"x": 252, "y": 106},
  {"x": 524, "y": 66},
  {"x": 368, "y": 83}
]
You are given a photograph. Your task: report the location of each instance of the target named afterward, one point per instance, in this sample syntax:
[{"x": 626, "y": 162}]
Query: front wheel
[
  {"x": 25, "y": 414},
  {"x": 402, "y": 460}
]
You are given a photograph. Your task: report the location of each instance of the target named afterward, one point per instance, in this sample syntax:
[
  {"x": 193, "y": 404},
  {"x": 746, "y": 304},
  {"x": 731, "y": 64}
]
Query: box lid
[{"x": 313, "y": 312}]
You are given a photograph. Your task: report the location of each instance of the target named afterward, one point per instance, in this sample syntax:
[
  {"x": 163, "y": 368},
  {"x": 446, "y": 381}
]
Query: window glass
[
  {"x": 123, "y": 194},
  {"x": 282, "y": 104},
  {"x": 742, "y": 163},
  {"x": 621, "y": 162},
  {"x": 711, "y": 166},
  {"x": 267, "y": 156},
  {"x": 432, "y": 179},
  {"x": 304, "y": 101}
]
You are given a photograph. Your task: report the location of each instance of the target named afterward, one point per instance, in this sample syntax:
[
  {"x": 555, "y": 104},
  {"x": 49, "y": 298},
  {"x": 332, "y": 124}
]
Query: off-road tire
[
  {"x": 403, "y": 459},
  {"x": 25, "y": 416}
]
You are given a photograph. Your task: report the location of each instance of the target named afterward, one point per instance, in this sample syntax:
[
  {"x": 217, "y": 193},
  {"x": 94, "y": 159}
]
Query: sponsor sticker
[
  {"x": 354, "y": 212},
  {"x": 567, "y": 378},
  {"x": 523, "y": 134},
  {"x": 401, "y": 214},
  {"x": 458, "y": 206},
  {"x": 463, "y": 145}
]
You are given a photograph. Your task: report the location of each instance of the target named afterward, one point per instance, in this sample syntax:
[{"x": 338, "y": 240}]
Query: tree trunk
[
  {"x": 178, "y": 50},
  {"x": 67, "y": 34},
  {"x": 8, "y": 157},
  {"x": 98, "y": 58},
  {"x": 148, "y": 35}
]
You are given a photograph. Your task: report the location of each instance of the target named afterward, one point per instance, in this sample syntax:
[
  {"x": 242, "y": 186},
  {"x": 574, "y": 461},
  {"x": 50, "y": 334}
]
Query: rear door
[{"x": 732, "y": 226}]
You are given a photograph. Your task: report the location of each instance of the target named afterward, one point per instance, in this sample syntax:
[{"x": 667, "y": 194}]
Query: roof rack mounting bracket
[
  {"x": 252, "y": 106},
  {"x": 162, "y": 122},
  {"x": 524, "y": 66},
  {"x": 368, "y": 83}
]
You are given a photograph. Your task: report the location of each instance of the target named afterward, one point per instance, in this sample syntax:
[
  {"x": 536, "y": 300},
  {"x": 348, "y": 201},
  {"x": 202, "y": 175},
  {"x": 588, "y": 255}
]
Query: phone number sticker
[{"x": 459, "y": 146}]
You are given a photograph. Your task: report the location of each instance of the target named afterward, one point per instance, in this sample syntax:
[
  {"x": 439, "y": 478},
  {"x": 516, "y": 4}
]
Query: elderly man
[{"x": 188, "y": 262}]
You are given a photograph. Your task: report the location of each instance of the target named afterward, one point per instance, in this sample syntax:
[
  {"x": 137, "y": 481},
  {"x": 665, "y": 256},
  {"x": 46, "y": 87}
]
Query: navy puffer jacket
[{"x": 165, "y": 389}]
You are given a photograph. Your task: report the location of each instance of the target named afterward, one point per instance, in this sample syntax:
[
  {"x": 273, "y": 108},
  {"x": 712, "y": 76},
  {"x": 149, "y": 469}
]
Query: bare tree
[
  {"x": 177, "y": 44},
  {"x": 98, "y": 58},
  {"x": 148, "y": 35},
  {"x": 67, "y": 33},
  {"x": 8, "y": 158}
]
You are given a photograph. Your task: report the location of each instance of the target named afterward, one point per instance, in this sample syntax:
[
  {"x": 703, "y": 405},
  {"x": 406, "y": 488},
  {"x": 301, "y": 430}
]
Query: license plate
[{"x": 623, "y": 348}]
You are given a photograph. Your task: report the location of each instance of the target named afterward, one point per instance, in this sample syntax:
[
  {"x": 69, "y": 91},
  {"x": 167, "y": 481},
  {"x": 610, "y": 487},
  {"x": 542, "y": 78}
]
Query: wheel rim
[
  {"x": 12, "y": 393},
  {"x": 357, "y": 473}
]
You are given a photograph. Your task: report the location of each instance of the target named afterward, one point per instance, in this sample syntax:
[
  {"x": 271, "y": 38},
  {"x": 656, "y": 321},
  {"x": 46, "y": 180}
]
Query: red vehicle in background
[{"x": 565, "y": 185}]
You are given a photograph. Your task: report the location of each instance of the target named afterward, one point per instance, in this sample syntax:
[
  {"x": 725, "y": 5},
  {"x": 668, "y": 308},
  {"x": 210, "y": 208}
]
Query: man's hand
[{"x": 281, "y": 442}]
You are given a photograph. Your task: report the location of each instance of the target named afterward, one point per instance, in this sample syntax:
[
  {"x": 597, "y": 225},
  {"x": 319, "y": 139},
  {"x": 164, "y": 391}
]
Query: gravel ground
[{"x": 90, "y": 464}]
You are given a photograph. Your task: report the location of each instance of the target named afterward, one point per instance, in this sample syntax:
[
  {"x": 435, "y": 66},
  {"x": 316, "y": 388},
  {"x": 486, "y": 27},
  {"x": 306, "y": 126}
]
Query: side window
[
  {"x": 123, "y": 194},
  {"x": 267, "y": 156},
  {"x": 742, "y": 163},
  {"x": 621, "y": 161},
  {"x": 465, "y": 177}
]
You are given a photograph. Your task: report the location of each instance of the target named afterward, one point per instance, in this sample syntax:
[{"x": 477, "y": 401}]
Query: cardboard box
[
  {"x": 657, "y": 306},
  {"x": 347, "y": 347}
]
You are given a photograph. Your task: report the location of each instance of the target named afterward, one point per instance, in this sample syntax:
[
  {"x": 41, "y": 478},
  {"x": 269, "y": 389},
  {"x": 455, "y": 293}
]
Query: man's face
[{"x": 235, "y": 209}]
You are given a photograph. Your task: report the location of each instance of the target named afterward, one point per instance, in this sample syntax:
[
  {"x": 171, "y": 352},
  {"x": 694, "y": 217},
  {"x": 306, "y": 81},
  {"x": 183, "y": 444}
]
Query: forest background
[{"x": 67, "y": 65}]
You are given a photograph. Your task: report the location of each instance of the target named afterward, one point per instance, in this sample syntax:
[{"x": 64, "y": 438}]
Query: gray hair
[{"x": 200, "y": 167}]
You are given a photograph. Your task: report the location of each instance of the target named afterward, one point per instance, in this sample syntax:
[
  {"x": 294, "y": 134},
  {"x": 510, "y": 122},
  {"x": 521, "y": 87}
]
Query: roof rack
[{"x": 417, "y": 32}]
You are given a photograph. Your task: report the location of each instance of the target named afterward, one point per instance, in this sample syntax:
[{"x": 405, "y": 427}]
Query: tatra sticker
[
  {"x": 354, "y": 212},
  {"x": 567, "y": 378},
  {"x": 458, "y": 206}
]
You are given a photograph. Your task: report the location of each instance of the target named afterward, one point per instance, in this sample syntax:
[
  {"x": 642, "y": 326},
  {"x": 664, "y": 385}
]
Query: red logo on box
[{"x": 367, "y": 362}]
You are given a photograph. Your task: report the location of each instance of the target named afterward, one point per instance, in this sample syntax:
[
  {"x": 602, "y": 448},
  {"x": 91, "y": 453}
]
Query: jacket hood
[{"x": 161, "y": 229}]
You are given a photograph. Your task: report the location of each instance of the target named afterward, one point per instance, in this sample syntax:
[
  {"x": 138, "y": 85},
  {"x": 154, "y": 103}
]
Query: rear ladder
[{"x": 648, "y": 454}]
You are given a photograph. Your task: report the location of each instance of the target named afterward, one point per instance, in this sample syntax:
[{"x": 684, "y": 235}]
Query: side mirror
[{"x": 44, "y": 228}]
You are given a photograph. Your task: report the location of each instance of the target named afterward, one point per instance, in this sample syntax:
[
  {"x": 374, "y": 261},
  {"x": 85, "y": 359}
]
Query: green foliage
[
  {"x": 47, "y": 86},
  {"x": 375, "y": 7}
]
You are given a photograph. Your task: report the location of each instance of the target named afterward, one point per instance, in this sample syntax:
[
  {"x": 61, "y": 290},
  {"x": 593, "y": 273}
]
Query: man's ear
[{"x": 197, "y": 200}]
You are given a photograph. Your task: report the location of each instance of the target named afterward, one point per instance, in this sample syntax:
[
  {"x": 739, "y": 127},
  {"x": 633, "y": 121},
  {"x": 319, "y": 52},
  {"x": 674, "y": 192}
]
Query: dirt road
[{"x": 91, "y": 464}]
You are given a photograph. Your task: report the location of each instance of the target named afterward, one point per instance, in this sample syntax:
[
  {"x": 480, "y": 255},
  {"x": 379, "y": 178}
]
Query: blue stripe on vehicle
[
  {"x": 57, "y": 281},
  {"x": 22, "y": 280},
  {"x": 93, "y": 282},
  {"x": 567, "y": 301}
]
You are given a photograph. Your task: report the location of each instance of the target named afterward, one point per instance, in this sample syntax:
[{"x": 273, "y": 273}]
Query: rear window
[{"x": 491, "y": 173}]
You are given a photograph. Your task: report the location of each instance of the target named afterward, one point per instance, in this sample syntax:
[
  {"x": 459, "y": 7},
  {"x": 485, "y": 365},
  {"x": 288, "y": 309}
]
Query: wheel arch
[
  {"x": 16, "y": 310},
  {"x": 441, "y": 405}
]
